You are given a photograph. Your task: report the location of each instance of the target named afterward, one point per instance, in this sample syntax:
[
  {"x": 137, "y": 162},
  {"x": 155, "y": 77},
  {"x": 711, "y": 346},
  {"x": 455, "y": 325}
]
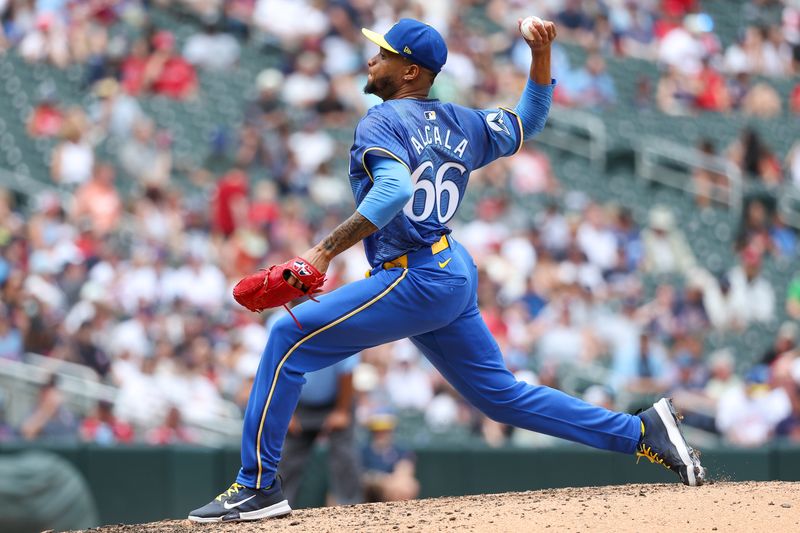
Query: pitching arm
[
  {"x": 534, "y": 104},
  {"x": 390, "y": 192}
]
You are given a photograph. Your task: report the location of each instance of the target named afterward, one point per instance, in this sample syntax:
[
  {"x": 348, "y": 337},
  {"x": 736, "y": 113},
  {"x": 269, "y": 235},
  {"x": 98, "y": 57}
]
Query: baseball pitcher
[{"x": 409, "y": 166}]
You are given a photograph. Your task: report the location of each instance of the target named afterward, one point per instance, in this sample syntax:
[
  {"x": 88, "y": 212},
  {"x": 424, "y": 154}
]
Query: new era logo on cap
[{"x": 407, "y": 50}]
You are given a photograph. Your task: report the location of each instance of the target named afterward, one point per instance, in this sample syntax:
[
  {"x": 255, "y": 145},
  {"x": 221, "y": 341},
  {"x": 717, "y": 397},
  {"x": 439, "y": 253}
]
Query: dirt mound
[{"x": 749, "y": 506}]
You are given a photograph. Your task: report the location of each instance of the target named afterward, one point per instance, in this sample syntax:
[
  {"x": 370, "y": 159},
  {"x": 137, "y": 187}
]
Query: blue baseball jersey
[
  {"x": 433, "y": 302},
  {"x": 440, "y": 144}
]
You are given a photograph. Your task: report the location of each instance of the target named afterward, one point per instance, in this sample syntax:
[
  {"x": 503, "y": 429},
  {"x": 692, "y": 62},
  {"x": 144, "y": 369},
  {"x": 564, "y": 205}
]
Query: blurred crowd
[{"x": 123, "y": 269}]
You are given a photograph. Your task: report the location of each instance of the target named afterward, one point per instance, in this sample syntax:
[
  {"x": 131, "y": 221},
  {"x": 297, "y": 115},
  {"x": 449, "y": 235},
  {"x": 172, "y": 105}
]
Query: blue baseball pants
[{"x": 433, "y": 302}]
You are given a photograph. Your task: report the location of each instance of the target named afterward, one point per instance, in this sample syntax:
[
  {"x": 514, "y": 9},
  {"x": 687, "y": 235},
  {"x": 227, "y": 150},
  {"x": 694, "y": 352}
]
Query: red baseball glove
[{"x": 269, "y": 287}]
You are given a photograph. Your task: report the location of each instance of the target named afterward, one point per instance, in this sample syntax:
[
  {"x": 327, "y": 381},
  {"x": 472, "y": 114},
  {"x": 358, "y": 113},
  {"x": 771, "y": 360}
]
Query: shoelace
[
  {"x": 233, "y": 489},
  {"x": 648, "y": 453}
]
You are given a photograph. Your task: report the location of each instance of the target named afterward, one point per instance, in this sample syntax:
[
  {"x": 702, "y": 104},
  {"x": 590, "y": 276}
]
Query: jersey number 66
[{"x": 433, "y": 193}]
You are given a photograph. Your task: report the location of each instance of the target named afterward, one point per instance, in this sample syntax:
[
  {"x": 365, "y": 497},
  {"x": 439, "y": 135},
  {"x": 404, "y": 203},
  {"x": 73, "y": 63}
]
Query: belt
[{"x": 417, "y": 256}]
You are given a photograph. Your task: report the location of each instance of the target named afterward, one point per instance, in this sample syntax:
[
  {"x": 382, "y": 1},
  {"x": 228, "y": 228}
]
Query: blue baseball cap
[{"x": 415, "y": 40}]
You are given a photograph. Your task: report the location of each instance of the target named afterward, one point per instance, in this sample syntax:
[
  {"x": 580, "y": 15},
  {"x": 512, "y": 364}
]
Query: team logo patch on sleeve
[{"x": 497, "y": 122}]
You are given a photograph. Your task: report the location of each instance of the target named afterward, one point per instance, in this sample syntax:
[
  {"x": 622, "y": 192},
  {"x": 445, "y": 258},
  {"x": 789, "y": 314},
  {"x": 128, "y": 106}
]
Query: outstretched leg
[{"x": 467, "y": 356}]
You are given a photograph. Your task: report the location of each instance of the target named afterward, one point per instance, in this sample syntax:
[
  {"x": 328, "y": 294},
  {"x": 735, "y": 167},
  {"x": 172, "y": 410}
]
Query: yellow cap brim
[{"x": 378, "y": 39}]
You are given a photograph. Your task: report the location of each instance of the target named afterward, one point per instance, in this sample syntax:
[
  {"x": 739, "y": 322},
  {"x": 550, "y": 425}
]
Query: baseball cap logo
[{"x": 407, "y": 50}]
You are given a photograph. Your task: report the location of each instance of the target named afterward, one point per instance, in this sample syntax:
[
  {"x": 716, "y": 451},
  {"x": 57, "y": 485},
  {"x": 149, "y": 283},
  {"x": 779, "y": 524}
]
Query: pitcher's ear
[{"x": 412, "y": 72}]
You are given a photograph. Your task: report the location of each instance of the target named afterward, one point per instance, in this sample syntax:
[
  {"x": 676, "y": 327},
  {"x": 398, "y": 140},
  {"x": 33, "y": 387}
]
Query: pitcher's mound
[{"x": 723, "y": 507}]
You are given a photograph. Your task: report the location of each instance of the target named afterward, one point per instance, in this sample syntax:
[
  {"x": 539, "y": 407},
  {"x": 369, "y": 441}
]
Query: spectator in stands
[
  {"x": 690, "y": 313},
  {"x": 762, "y": 101},
  {"x": 787, "y": 376},
  {"x": 776, "y": 52},
  {"x": 47, "y": 42},
  {"x": 102, "y": 427},
  {"x": 212, "y": 49},
  {"x": 554, "y": 229},
  {"x": 738, "y": 88},
  {"x": 752, "y": 298},
  {"x": 691, "y": 373},
  {"x": 633, "y": 23},
  {"x": 794, "y": 99},
  {"x": 407, "y": 382},
  {"x": 641, "y": 369},
  {"x": 665, "y": 247},
  {"x": 10, "y": 337},
  {"x": 388, "y": 470},
  {"x": 167, "y": 73},
  {"x": 532, "y": 173},
  {"x": 97, "y": 201},
  {"x": 596, "y": 238},
  {"x": 718, "y": 304},
  {"x": 87, "y": 349},
  {"x": 749, "y": 415},
  {"x": 73, "y": 157},
  {"x": 755, "y": 159},
  {"x": 784, "y": 238},
  {"x": 709, "y": 185},
  {"x": 699, "y": 406},
  {"x": 7, "y": 432},
  {"x": 591, "y": 86},
  {"x": 785, "y": 343},
  {"x": 793, "y": 298},
  {"x": 134, "y": 67},
  {"x": 722, "y": 364},
  {"x": 742, "y": 56},
  {"x": 711, "y": 92},
  {"x": 47, "y": 117},
  {"x": 793, "y": 164},
  {"x": 267, "y": 110},
  {"x": 229, "y": 202},
  {"x": 685, "y": 47},
  {"x": 171, "y": 431},
  {"x": 290, "y": 20},
  {"x": 754, "y": 232},
  {"x": 145, "y": 157},
  {"x": 114, "y": 112},
  {"x": 306, "y": 86},
  {"x": 574, "y": 22},
  {"x": 50, "y": 419},
  {"x": 674, "y": 94}
]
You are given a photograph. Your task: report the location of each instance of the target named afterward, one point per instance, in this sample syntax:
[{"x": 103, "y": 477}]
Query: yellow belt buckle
[
  {"x": 440, "y": 246},
  {"x": 401, "y": 262}
]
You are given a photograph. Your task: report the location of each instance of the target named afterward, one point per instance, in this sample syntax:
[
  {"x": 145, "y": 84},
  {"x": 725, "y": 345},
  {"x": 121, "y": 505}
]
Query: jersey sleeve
[
  {"x": 498, "y": 131},
  {"x": 377, "y": 134}
]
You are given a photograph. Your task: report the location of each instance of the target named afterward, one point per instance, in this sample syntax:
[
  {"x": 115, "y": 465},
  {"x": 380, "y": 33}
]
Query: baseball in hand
[{"x": 527, "y": 32}]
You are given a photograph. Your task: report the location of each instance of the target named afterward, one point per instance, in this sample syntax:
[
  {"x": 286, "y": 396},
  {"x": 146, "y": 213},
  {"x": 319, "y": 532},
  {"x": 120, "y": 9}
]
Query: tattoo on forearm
[{"x": 348, "y": 233}]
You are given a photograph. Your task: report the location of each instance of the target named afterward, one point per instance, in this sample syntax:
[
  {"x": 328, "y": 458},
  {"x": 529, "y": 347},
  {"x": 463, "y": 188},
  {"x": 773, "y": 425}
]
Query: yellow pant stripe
[{"x": 339, "y": 320}]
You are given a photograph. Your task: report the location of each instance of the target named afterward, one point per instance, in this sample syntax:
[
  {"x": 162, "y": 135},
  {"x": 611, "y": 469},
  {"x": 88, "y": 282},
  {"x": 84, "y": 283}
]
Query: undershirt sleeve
[
  {"x": 534, "y": 106},
  {"x": 390, "y": 191}
]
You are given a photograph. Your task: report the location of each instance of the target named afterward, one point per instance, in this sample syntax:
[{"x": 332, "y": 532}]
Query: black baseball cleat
[
  {"x": 663, "y": 443},
  {"x": 242, "y": 503}
]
